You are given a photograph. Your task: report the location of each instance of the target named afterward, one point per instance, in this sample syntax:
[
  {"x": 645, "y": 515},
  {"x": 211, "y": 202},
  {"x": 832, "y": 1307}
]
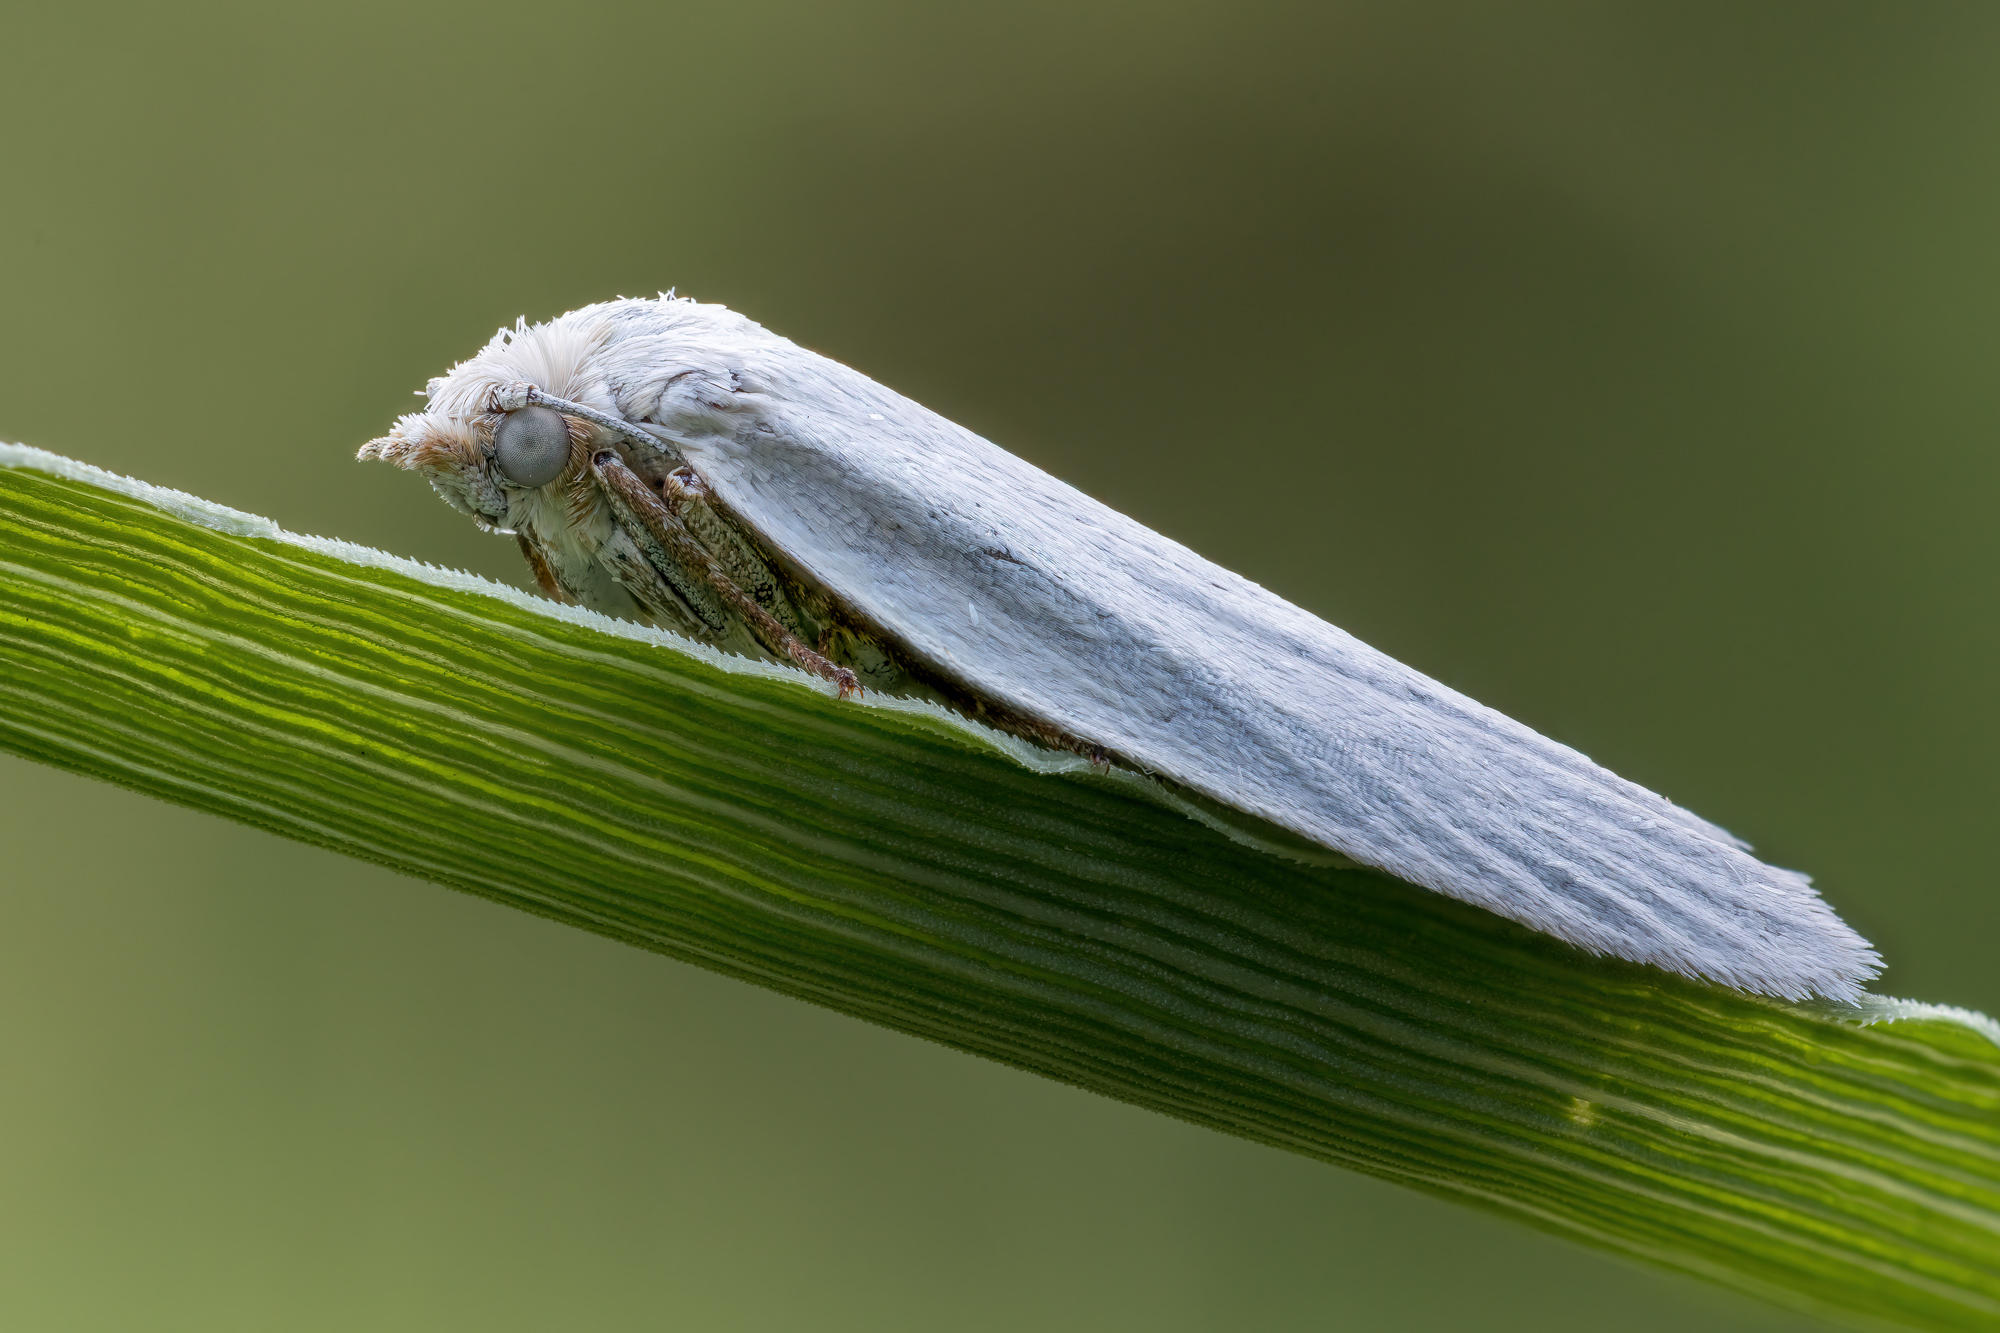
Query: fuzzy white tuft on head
[{"x": 554, "y": 357}]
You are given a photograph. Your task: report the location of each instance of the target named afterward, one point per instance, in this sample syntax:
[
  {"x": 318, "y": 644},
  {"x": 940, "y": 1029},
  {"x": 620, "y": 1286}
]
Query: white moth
[{"x": 676, "y": 463}]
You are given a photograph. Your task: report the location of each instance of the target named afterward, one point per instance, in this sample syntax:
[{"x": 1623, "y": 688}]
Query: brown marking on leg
[
  {"x": 690, "y": 500},
  {"x": 639, "y": 574},
  {"x": 544, "y": 575},
  {"x": 633, "y": 500}
]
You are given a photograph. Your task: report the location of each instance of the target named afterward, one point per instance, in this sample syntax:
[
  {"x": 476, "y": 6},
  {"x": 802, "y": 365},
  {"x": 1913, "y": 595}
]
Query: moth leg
[
  {"x": 687, "y": 495},
  {"x": 545, "y": 574},
  {"x": 641, "y": 512},
  {"x": 659, "y": 579},
  {"x": 651, "y": 562},
  {"x": 658, "y": 598}
]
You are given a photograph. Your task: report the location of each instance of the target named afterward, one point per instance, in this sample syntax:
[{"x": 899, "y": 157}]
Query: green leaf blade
[{"x": 899, "y": 868}]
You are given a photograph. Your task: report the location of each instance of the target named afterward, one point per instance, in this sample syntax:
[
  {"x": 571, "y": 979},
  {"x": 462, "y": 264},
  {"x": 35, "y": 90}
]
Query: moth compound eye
[{"x": 531, "y": 445}]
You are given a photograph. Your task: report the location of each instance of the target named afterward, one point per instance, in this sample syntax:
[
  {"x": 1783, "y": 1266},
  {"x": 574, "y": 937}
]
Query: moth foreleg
[
  {"x": 544, "y": 571},
  {"x": 638, "y": 572},
  {"x": 647, "y": 519},
  {"x": 687, "y": 495}
]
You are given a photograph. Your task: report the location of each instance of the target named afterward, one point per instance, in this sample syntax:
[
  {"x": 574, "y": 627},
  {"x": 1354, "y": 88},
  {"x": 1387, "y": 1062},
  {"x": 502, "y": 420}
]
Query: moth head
[
  {"x": 502, "y": 466},
  {"x": 495, "y": 466}
]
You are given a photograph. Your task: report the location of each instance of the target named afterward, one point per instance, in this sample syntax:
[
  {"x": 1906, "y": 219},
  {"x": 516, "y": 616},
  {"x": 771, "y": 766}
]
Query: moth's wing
[{"x": 1031, "y": 593}]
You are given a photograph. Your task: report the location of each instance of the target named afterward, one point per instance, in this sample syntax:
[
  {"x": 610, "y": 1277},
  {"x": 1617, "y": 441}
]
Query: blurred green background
[{"x": 1628, "y": 366}]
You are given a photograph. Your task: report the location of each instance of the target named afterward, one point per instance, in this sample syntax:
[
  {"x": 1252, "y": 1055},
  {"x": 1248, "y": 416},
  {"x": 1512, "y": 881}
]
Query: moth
[{"x": 674, "y": 462}]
